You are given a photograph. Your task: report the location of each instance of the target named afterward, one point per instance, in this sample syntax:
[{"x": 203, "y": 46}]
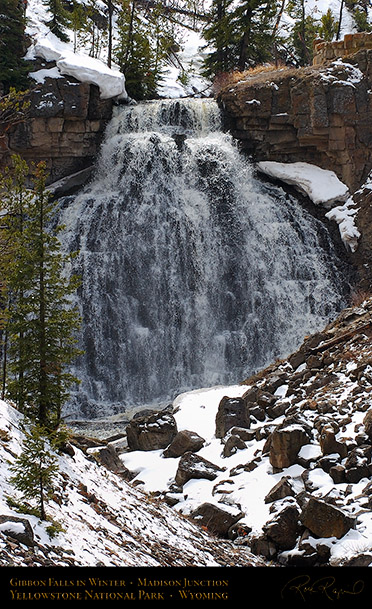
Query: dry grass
[{"x": 226, "y": 79}]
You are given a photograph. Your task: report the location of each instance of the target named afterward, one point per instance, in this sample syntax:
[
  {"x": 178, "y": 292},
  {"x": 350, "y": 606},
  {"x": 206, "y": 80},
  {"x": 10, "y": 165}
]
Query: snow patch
[
  {"x": 323, "y": 188},
  {"x": 78, "y": 65},
  {"x": 321, "y": 185}
]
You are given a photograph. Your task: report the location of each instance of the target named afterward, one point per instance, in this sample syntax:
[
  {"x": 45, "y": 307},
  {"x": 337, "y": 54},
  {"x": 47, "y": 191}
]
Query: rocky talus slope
[{"x": 306, "y": 424}]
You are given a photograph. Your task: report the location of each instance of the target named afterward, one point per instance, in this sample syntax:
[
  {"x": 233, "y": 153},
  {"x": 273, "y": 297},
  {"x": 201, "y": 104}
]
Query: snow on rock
[
  {"x": 338, "y": 393},
  {"x": 321, "y": 185},
  {"x": 323, "y": 188},
  {"x": 105, "y": 520},
  {"x": 344, "y": 215},
  {"x": 82, "y": 67}
]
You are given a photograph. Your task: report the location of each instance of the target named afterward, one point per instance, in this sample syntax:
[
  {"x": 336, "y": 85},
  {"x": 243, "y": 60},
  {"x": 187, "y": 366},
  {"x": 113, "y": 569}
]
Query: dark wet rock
[
  {"x": 192, "y": 466},
  {"x": 217, "y": 519},
  {"x": 325, "y": 520},
  {"x": 184, "y": 441}
]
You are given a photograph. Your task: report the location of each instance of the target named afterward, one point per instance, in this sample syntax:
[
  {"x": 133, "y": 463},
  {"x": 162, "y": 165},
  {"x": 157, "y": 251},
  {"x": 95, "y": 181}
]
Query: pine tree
[
  {"x": 329, "y": 26},
  {"x": 242, "y": 34},
  {"x": 360, "y": 12},
  {"x": 253, "y": 23},
  {"x": 304, "y": 32},
  {"x": 35, "y": 469},
  {"x": 78, "y": 20},
  {"x": 144, "y": 42},
  {"x": 13, "y": 68},
  {"x": 59, "y": 19},
  {"x": 220, "y": 33},
  {"x": 40, "y": 320},
  {"x": 13, "y": 271}
]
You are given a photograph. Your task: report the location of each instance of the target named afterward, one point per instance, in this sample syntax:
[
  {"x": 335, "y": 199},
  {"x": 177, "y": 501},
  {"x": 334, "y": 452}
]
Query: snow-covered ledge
[
  {"x": 79, "y": 65},
  {"x": 323, "y": 188}
]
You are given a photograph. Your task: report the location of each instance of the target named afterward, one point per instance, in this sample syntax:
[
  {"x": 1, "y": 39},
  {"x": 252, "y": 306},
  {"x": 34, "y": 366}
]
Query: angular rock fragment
[
  {"x": 282, "y": 489},
  {"x": 193, "y": 466},
  {"x": 232, "y": 412},
  {"x": 325, "y": 520},
  {"x": 217, "y": 519},
  {"x": 184, "y": 441},
  {"x": 151, "y": 432},
  {"x": 284, "y": 529},
  {"x": 285, "y": 445}
]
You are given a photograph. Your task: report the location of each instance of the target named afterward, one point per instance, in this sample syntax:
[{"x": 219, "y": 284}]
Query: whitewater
[{"x": 194, "y": 272}]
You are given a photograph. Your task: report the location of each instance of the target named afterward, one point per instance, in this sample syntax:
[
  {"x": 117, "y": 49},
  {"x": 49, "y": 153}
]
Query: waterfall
[{"x": 193, "y": 272}]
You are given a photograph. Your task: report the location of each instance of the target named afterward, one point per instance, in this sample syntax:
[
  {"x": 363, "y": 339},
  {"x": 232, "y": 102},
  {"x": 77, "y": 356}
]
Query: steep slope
[
  {"x": 288, "y": 452},
  {"x": 105, "y": 520}
]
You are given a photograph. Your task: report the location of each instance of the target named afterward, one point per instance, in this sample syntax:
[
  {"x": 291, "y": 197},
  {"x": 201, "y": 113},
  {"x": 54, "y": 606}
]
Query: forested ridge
[{"x": 140, "y": 37}]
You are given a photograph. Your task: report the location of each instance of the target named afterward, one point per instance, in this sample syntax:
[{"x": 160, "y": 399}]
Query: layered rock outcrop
[
  {"x": 318, "y": 114},
  {"x": 64, "y": 127}
]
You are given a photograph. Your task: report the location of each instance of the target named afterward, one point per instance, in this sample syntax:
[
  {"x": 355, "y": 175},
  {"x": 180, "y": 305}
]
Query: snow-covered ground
[
  {"x": 105, "y": 520},
  {"x": 197, "y": 411},
  {"x": 246, "y": 488},
  {"x": 182, "y": 76}
]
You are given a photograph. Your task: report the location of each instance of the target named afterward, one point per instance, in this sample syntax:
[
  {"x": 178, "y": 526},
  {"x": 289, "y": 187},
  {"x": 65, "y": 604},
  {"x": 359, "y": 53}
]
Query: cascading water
[{"x": 194, "y": 273}]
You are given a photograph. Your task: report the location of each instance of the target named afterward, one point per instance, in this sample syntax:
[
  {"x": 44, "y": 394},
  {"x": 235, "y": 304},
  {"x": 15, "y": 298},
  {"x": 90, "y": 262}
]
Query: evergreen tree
[
  {"x": 304, "y": 32},
  {"x": 253, "y": 23},
  {"x": 40, "y": 321},
  {"x": 220, "y": 33},
  {"x": 329, "y": 26},
  {"x": 242, "y": 34},
  {"x": 78, "y": 20},
  {"x": 144, "y": 43},
  {"x": 13, "y": 68},
  {"x": 35, "y": 469},
  {"x": 360, "y": 12},
  {"x": 59, "y": 19}
]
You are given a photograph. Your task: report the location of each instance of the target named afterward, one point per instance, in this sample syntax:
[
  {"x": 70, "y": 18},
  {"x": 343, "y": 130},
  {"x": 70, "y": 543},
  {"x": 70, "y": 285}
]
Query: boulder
[
  {"x": 282, "y": 489},
  {"x": 337, "y": 473},
  {"x": 17, "y": 528},
  {"x": 184, "y": 441},
  {"x": 263, "y": 546},
  {"x": 285, "y": 528},
  {"x": 152, "y": 432},
  {"x": 325, "y": 520},
  {"x": 285, "y": 445},
  {"x": 358, "y": 464},
  {"x": 217, "y": 519},
  {"x": 232, "y": 444},
  {"x": 193, "y": 466},
  {"x": 328, "y": 443},
  {"x": 109, "y": 458},
  {"x": 367, "y": 422},
  {"x": 232, "y": 412}
]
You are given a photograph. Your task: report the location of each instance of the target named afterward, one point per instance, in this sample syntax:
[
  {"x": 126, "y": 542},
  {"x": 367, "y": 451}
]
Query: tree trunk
[
  {"x": 245, "y": 40},
  {"x": 42, "y": 322},
  {"x": 109, "y": 55},
  {"x": 340, "y": 20}
]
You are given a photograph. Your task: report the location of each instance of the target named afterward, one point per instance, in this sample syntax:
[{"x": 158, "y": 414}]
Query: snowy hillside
[
  {"x": 79, "y": 64},
  {"x": 322, "y": 392},
  {"x": 105, "y": 520}
]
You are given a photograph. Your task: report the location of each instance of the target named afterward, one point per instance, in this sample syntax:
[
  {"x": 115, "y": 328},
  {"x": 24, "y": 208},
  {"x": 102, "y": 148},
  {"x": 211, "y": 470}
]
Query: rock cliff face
[
  {"x": 319, "y": 114},
  {"x": 64, "y": 127}
]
